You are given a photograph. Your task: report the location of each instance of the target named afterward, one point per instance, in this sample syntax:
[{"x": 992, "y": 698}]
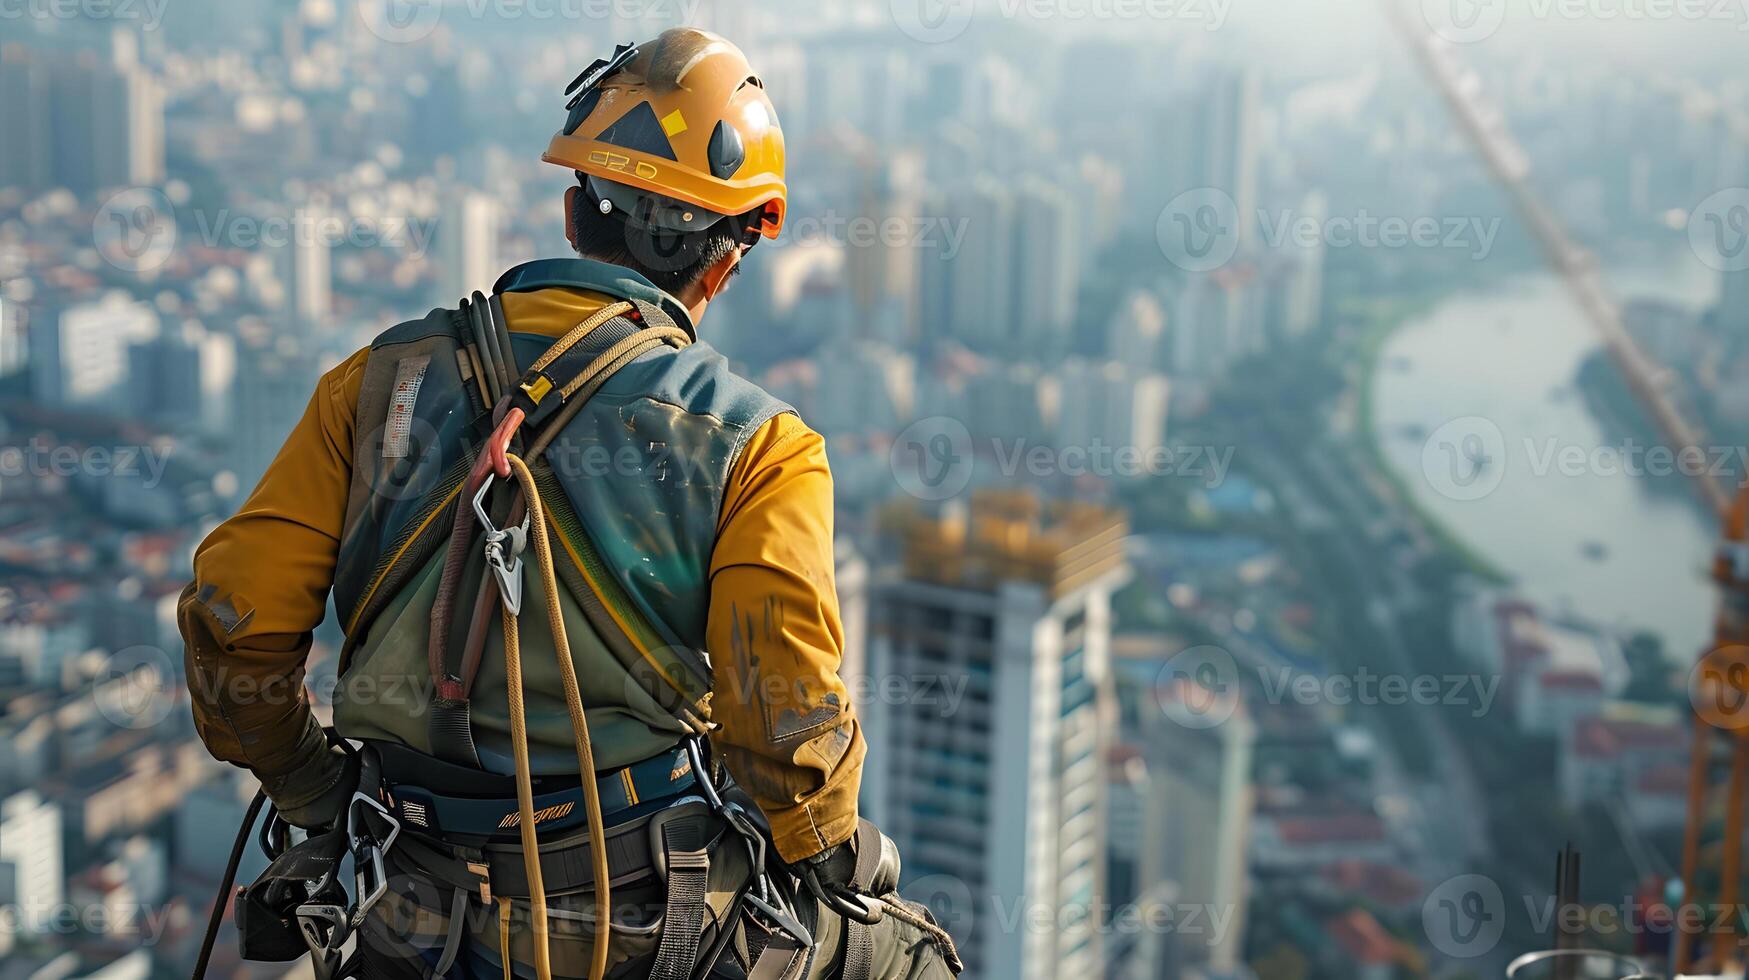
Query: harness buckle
[
  {"x": 484, "y": 871},
  {"x": 325, "y": 929}
]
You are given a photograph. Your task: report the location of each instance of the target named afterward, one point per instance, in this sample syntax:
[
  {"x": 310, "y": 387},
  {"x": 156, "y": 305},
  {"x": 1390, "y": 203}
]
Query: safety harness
[{"x": 443, "y": 814}]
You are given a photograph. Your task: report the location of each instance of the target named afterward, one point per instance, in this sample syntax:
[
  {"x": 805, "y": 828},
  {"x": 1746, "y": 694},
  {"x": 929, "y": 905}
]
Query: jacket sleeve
[
  {"x": 261, "y": 583},
  {"x": 789, "y": 733}
]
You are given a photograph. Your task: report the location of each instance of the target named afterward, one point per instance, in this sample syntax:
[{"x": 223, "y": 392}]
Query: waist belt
[
  {"x": 469, "y": 806},
  {"x": 634, "y": 852}
]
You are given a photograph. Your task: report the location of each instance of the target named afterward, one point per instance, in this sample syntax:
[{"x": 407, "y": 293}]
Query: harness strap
[
  {"x": 684, "y": 849},
  {"x": 858, "y": 950},
  {"x": 566, "y": 866},
  {"x": 452, "y": 943}
]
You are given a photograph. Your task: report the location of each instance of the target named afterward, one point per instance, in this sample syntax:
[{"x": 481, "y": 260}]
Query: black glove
[
  {"x": 337, "y": 775},
  {"x": 835, "y": 867}
]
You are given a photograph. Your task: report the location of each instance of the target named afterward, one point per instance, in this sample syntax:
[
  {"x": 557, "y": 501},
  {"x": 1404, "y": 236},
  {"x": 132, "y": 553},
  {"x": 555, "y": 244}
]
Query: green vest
[{"x": 634, "y": 483}]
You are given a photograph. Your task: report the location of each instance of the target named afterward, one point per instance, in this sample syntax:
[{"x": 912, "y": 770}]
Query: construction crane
[{"x": 1721, "y": 681}]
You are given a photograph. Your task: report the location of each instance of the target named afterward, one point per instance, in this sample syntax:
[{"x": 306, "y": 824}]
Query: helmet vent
[{"x": 727, "y": 152}]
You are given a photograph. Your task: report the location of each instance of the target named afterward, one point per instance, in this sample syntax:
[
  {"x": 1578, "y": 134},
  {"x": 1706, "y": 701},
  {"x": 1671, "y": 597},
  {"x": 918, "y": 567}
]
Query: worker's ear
[
  {"x": 571, "y": 216},
  {"x": 718, "y": 274}
]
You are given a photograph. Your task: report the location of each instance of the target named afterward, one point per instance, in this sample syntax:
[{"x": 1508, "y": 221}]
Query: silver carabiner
[
  {"x": 503, "y": 549},
  {"x": 367, "y": 854}
]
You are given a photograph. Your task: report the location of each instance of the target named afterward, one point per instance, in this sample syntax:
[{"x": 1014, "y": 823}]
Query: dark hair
[{"x": 671, "y": 260}]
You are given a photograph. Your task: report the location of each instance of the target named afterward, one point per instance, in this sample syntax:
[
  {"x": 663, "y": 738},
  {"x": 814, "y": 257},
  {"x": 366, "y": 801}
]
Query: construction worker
[{"x": 565, "y": 455}]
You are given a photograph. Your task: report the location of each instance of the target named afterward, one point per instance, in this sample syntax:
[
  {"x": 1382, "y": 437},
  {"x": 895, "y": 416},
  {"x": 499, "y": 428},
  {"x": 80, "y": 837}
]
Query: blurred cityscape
[{"x": 1251, "y": 566}]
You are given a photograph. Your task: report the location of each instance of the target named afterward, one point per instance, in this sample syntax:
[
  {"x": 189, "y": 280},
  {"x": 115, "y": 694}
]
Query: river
[{"x": 1476, "y": 411}]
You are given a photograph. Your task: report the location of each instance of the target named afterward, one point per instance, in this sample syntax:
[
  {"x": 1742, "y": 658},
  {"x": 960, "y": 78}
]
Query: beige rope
[
  {"x": 579, "y": 726},
  {"x": 537, "y": 891},
  {"x": 580, "y": 331}
]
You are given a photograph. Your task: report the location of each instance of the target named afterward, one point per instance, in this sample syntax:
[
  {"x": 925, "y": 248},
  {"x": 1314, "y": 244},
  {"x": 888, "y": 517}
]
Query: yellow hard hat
[{"x": 682, "y": 116}]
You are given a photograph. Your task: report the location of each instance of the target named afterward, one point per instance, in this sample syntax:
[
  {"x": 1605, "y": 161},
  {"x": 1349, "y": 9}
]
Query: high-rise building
[
  {"x": 164, "y": 376},
  {"x": 1137, "y": 334},
  {"x": 26, "y": 155},
  {"x": 968, "y": 294},
  {"x": 1196, "y": 822},
  {"x": 466, "y": 246},
  {"x": 1113, "y": 407},
  {"x": 307, "y": 268},
  {"x": 31, "y": 876},
  {"x": 281, "y": 377},
  {"x": 1733, "y": 309},
  {"x": 1047, "y": 269},
  {"x": 870, "y": 388},
  {"x": 1209, "y": 140},
  {"x": 851, "y": 574},
  {"x": 999, "y": 791},
  {"x": 80, "y": 357},
  {"x": 1004, "y": 401},
  {"x": 79, "y": 121}
]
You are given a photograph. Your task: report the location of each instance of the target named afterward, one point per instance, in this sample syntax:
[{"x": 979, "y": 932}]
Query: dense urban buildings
[{"x": 1218, "y": 591}]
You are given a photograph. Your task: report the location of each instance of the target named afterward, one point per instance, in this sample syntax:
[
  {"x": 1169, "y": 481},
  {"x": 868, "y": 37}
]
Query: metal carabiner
[
  {"x": 782, "y": 919},
  {"x": 367, "y": 855},
  {"x": 503, "y": 548}
]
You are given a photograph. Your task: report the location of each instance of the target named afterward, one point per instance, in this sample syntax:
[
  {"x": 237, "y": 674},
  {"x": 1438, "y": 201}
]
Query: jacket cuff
[{"x": 807, "y": 830}]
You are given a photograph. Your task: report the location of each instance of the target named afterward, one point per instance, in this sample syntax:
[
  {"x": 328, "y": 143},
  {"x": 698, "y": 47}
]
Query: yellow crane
[{"x": 1721, "y": 680}]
